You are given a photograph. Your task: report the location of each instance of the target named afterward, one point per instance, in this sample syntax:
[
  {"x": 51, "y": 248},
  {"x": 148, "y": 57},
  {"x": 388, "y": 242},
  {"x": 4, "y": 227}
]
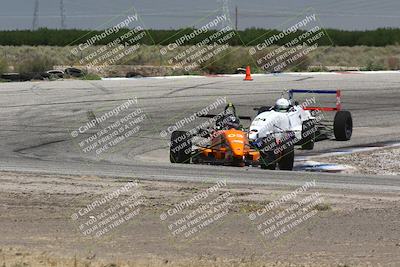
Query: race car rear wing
[{"x": 310, "y": 91}]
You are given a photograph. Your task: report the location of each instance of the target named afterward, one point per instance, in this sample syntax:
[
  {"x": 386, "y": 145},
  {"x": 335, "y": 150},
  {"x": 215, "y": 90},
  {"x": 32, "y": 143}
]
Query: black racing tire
[
  {"x": 266, "y": 147},
  {"x": 134, "y": 74},
  {"x": 43, "y": 75},
  {"x": 181, "y": 147},
  {"x": 308, "y": 132},
  {"x": 343, "y": 125},
  {"x": 287, "y": 160},
  {"x": 28, "y": 76},
  {"x": 74, "y": 72},
  {"x": 11, "y": 76},
  {"x": 36, "y": 76},
  {"x": 267, "y": 160}
]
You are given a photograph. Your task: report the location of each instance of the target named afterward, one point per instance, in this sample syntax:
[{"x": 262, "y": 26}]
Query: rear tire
[
  {"x": 181, "y": 147},
  {"x": 308, "y": 135},
  {"x": 343, "y": 125},
  {"x": 287, "y": 160},
  {"x": 267, "y": 160}
]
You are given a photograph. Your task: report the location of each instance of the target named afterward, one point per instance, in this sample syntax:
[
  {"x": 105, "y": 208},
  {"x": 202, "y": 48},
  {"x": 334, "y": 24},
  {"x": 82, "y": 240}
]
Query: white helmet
[{"x": 282, "y": 105}]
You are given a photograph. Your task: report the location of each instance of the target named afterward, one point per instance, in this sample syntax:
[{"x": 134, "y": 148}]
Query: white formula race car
[{"x": 276, "y": 130}]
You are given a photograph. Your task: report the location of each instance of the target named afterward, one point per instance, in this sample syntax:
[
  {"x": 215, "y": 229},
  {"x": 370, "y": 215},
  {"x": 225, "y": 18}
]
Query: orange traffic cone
[{"x": 248, "y": 74}]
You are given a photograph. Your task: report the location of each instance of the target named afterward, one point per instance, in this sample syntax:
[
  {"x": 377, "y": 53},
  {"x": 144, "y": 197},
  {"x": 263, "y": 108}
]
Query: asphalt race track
[{"x": 37, "y": 119}]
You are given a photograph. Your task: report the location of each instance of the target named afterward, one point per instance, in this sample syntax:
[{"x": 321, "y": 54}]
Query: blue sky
[{"x": 167, "y": 14}]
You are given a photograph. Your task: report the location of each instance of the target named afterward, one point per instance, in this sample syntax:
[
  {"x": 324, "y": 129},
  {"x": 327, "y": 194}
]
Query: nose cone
[
  {"x": 237, "y": 149},
  {"x": 236, "y": 140}
]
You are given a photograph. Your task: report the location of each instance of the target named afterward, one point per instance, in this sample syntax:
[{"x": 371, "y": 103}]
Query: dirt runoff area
[
  {"x": 382, "y": 161},
  {"x": 55, "y": 220}
]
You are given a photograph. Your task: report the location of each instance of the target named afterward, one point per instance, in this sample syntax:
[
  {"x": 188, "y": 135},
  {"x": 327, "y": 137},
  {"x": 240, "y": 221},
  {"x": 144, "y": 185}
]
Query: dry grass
[
  {"x": 367, "y": 58},
  {"x": 379, "y": 162},
  {"x": 3, "y": 65}
]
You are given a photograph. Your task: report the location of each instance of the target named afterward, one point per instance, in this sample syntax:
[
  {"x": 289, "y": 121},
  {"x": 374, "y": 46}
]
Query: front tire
[
  {"x": 267, "y": 160},
  {"x": 308, "y": 135},
  {"x": 181, "y": 147},
  {"x": 286, "y": 162},
  {"x": 343, "y": 125},
  {"x": 267, "y": 156}
]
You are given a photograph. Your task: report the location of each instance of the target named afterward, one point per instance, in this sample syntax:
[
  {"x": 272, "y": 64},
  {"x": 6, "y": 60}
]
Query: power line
[
  {"x": 236, "y": 18},
  {"x": 35, "y": 16},
  {"x": 62, "y": 14},
  {"x": 226, "y": 12}
]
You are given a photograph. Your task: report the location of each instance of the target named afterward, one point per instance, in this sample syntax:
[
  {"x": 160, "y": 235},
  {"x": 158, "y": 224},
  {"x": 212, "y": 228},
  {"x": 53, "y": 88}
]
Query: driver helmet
[
  {"x": 232, "y": 122},
  {"x": 227, "y": 122},
  {"x": 282, "y": 105}
]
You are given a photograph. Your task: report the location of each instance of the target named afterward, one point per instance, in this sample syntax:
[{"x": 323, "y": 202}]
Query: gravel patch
[{"x": 381, "y": 162}]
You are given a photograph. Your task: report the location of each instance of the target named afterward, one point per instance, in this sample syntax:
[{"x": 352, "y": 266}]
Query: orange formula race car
[{"x": 225, "y": 143}]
